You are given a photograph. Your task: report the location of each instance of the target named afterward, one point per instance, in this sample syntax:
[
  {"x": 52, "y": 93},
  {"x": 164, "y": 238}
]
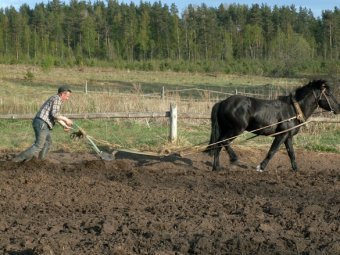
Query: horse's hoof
[
  {"x": 216, "y": 169},
  {"x": 259, "y": 169}
]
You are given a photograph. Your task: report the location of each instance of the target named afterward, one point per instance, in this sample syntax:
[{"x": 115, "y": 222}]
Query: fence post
[
  {"x": 163, "y": 93},
  {"x": 86, "y": 87},
  {"x": 173, "y": 122}
]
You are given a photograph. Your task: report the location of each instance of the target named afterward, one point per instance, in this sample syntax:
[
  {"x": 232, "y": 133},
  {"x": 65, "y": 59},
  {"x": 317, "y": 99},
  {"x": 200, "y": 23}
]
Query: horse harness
[
  {"x": 326, "y": 97},
  {"x": 299, "y": 114}
]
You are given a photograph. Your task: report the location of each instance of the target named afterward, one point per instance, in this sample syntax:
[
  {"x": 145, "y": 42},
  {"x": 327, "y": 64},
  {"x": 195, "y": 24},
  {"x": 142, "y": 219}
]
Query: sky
[{"x": 317, "y": 6}]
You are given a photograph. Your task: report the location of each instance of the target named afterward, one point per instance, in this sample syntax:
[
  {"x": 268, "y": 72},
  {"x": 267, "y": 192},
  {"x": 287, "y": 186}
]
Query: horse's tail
[{"x": 215, "y": 131}]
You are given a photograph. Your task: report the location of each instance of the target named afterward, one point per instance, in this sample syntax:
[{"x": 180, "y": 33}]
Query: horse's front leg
[
  {"x": 290, "y": 151},
  {"x": 273, "y": 149}
]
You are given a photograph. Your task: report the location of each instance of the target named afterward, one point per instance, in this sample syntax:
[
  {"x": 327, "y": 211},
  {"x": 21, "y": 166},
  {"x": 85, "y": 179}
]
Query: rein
[
  {"x": 324, "y": 94},
  {"x": 286, "y": 130},
  {"x": 233, "y": 137}
]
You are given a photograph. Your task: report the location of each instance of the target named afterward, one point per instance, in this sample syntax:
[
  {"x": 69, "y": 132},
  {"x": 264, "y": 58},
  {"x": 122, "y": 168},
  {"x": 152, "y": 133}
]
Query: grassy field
[{"x": 24, "y": 88}]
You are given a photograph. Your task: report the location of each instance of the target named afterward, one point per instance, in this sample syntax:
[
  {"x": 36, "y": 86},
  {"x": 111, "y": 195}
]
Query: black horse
[{"x": 280, "y": 118}]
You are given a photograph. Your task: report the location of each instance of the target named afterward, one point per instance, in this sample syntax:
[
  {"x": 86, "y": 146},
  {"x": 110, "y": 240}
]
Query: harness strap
[
  {"x": 299, "y": 114},
  {"x": 324, "y": 94}
]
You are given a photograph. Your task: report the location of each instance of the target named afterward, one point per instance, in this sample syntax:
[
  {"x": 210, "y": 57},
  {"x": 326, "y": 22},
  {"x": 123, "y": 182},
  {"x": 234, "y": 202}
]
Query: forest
[{"x": 233, "y": 38}]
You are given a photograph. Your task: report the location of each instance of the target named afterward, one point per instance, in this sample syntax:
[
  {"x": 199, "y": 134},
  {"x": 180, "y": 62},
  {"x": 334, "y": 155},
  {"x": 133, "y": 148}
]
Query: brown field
[{"x": 77, "y": 204}]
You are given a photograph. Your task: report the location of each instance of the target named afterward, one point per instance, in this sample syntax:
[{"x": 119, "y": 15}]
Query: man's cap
[{"x": 63, "y": 89}]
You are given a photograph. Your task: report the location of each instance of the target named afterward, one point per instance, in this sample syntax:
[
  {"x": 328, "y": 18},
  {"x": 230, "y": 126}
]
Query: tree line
[{"x": 231, "y": 38}]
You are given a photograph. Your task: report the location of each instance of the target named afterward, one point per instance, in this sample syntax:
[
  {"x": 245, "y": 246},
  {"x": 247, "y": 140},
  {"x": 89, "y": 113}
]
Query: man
[{"x": 43, "y": 123}]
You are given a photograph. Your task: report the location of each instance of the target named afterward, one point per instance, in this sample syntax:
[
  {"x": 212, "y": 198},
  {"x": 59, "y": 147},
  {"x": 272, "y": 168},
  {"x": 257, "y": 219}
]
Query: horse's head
[{"x": 325, "y": 98}]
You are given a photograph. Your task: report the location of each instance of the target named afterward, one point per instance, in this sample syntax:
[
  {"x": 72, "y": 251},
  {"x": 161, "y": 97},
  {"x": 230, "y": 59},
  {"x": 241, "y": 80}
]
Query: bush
[
  {"x": 29, "y": 76},
  {"x": 47, "y": 62}
]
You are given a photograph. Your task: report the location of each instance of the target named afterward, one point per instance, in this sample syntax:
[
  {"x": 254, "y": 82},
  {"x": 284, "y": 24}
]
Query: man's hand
[
  {"x": 65, "y": 120},
  {"x": 67, "y": 127},
  {"x": 68, "y": 122}
]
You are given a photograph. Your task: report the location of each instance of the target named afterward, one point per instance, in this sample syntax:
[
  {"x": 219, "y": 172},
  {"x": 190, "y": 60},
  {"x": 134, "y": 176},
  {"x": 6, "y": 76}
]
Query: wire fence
[{"x": 208, "y": 92}]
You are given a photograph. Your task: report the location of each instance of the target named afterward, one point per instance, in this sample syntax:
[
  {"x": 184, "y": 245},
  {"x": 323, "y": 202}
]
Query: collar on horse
[{"x": 299, "y": 114}]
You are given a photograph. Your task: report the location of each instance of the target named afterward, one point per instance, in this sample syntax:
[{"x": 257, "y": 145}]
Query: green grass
[
  {"x": 149, "y": 136},
  {"x": 107, "y": 134},
  {"x": 325, "y": 141}
]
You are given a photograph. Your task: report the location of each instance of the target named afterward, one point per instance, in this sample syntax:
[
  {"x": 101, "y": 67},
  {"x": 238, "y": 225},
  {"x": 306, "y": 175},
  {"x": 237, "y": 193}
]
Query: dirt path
[{"x": 77, "y": 204}]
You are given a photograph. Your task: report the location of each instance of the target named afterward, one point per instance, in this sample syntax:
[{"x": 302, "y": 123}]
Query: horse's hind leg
[
  {"x": 234, "y": 158},
  {"x": 273, "y": 149},
  {"x": 217, "y": 151},
  {"x": 216, "y": 163},
  {"x": 232, "y": 155},
  {"x": 224, "y": 141},
  {"x": 230, "y": 136}
]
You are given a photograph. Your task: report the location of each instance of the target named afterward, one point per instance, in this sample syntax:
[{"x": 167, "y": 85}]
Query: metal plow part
[{"x": 102, "y": 154}]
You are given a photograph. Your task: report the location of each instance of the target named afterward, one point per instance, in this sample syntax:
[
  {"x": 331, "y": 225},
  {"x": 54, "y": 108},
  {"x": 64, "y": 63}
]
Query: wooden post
[
  {"x": 86, "y": 87},
  {"x": 173, "y": 122},
  {"x": 163, "y": 93}
]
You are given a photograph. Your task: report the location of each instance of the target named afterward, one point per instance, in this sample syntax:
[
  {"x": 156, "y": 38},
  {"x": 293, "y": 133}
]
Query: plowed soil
[{"x": 78, "y": 204}]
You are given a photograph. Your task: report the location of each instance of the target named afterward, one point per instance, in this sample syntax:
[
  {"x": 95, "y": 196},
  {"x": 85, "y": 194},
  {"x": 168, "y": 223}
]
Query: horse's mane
[{"x": 301, "y": 92}]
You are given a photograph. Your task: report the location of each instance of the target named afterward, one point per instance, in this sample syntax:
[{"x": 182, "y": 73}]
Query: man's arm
[
  {"x": 55, "y": 112},
  {"x": 65, "y": 122}
]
